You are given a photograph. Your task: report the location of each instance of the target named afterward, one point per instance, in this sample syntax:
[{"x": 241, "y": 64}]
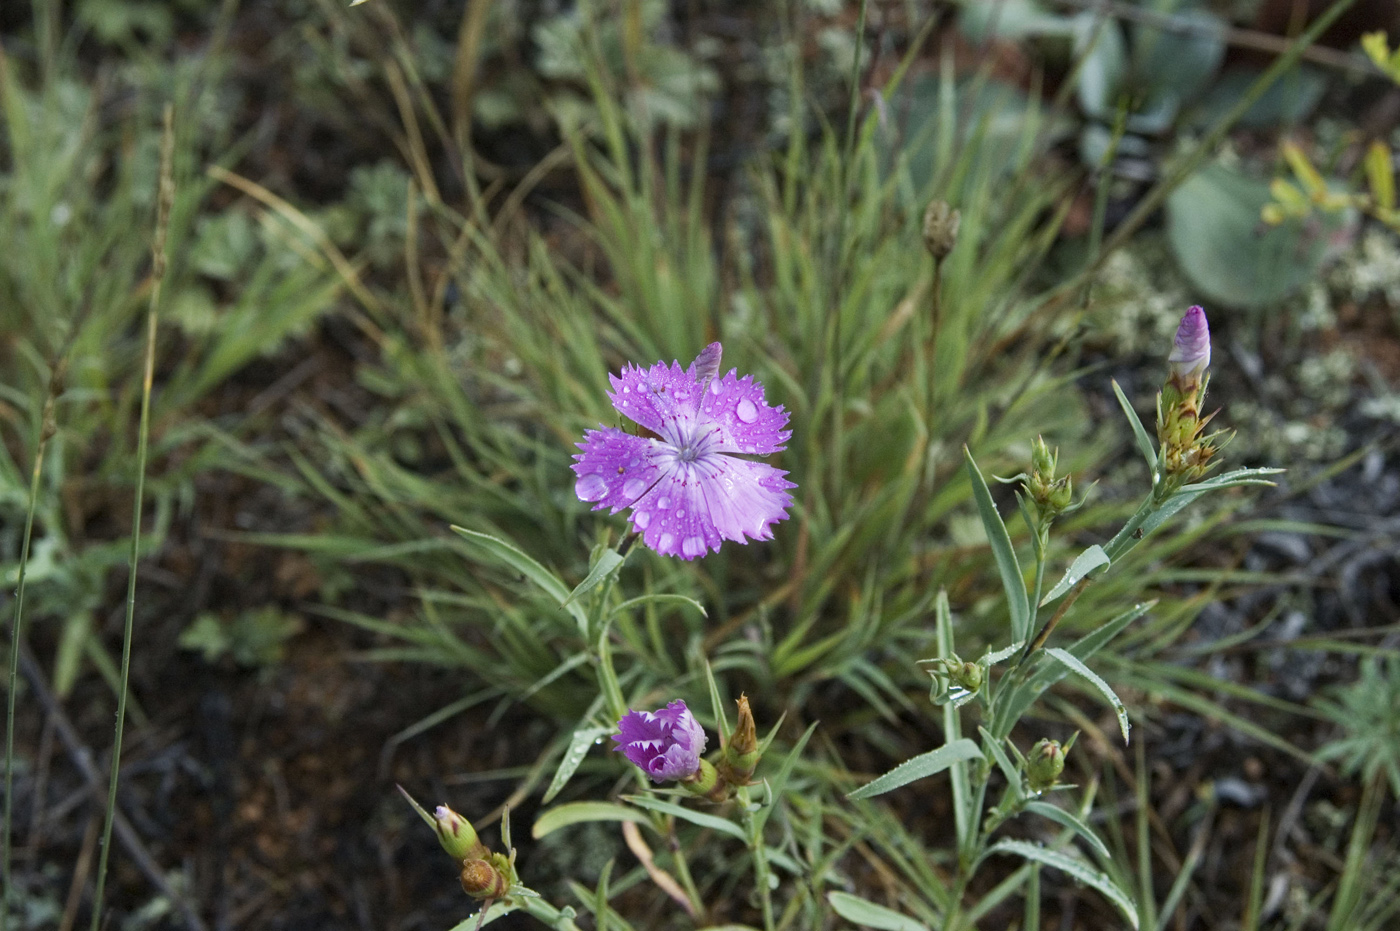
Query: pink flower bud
[{"x": 1191, "y": 349}]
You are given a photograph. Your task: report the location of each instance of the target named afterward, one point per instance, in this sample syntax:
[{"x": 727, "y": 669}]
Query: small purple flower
[
  {"x": 1190, "y": 354},
  {"x": 687, "y": 490},
  {"x": 666, "y": 744}
]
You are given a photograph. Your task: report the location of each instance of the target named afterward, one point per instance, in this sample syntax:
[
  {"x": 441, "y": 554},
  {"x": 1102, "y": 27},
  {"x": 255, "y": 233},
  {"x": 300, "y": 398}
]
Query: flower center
[{"x": 689, "y": 452}]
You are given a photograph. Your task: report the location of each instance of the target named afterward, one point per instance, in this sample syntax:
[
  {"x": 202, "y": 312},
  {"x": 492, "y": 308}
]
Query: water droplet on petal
[
  {"x": 664, "y": 503},
  {"x": 633, "y": 488},
  {"x": 714, "y": 387},
  {"x": 681, "y": 512},
  {"x": 591, "y": 487},
  {"x": 641, "y": 519},
  {"x": 746, "y": 411},
  {"x": 664, "y": 544}
]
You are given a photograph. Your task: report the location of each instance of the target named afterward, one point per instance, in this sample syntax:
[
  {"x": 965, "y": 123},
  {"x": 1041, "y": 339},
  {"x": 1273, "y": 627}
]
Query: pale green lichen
[{"x": 1373, "y": 269}]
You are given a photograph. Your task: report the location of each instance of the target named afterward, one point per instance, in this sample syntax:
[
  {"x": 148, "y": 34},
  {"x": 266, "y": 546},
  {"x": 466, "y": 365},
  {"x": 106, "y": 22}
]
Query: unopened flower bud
[
  {"x": 1190, "y": 355},
  {"x": 1186, "y": 453},
  {"x": 486, "y": 878},
  {"x": 1043, "y": 461},
  {"x": 969, "y": 675},
  {"x": 941, "y": 229},
  {"x": 959, "y": 674},
  {"x": 741, "y": 753},
  {"x": 1044, "y": 764},
  {"x": 457, "y": 835}
]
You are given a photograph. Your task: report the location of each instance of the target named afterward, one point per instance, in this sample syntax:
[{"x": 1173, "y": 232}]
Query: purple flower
[
  {"x": 687, "y": 490},
  {"x": 666, "y": 744},
  {"x": 1191, "y": 349}
]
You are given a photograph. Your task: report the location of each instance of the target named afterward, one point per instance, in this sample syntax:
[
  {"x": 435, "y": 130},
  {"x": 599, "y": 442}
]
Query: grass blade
[{"x": 164, "y": 202}]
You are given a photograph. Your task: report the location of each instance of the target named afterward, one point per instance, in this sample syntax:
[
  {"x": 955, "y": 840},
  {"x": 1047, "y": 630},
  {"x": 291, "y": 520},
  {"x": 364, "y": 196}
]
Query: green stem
[
  {"x": 45, "y": 431},
  {"x": 599, "y": 625},
  {"x": 683, "y": 872},
  {"x": 532, "y": 905},
  {"x": 761, "y": 871},
  {"x": 165, "y": 201},
  {"x": 1125, "y": 538}
]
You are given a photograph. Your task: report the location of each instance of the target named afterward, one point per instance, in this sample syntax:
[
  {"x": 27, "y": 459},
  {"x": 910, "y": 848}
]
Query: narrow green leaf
[
  {"x": 1076, "y": 868},
  {"x": 1381, "y": 181},
  {"x": 1004, "y": 654},
  {"x": 583, "y": 739},
  {"x": 964, "y": 819},
  {"x": 511, "y": 556},
  {"x": 925, "y": 764},
  {"x": 1012, "y": 582},
  {"x": 561, "y": 816},
  {"x": 869, "y": 915},
  {"x": 1008, "y": 769},
  {"x": 607, "y": 564},
  {"x": 660, "y": 599},
  {"x": 716, "y": 704},
  {"x": 1070, "y": 660},
  {"x": 1061, "y": 817},
  {"x": 685, "y": 814},
  {"x": 780, "y": 778},
  {"x": 1144, "y": 442},
  {"x": 1084, "y": 565},
  {"x": 1010, "y": 708}
]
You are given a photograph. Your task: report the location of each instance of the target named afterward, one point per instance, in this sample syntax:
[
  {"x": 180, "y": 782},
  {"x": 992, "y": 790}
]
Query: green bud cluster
[
  {"x": 957, "y": 673},
  {"x": 1050, "y": 495}
]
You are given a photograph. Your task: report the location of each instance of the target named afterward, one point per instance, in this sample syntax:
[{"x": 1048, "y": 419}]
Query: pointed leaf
[
  {"x": 1076, "y": 868},
  {"x": 584, "y": 738},
  {"x": 780, "y": 778},
  {"x": 869, "y": 915},
  {"x": 511, "y": 556},
  {"x": 561, "y": 816},
  {"x": 607, "y": 564},
  {"x": 1012, "y": 706},
  {"x": 1071, "y": 821},
  {"x": 1008, "y": 769},
  {"x": 925, "y": 764},
  {"x": 1144, "y": 442},
  {"x": 1070, "y": 660},
  {"x": 685, "y": 814},
  {"x": 1084, "y": 565},
  {"x": 1004, "y": 654},
  {"x": 716, "y": 704},
  {"x": 659, "y": 599},
  {"x": 1012, "y": 582}
]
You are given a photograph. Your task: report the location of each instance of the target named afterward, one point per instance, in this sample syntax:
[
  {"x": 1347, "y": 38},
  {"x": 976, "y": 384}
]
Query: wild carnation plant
[{"x": 684, "y": 478}]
